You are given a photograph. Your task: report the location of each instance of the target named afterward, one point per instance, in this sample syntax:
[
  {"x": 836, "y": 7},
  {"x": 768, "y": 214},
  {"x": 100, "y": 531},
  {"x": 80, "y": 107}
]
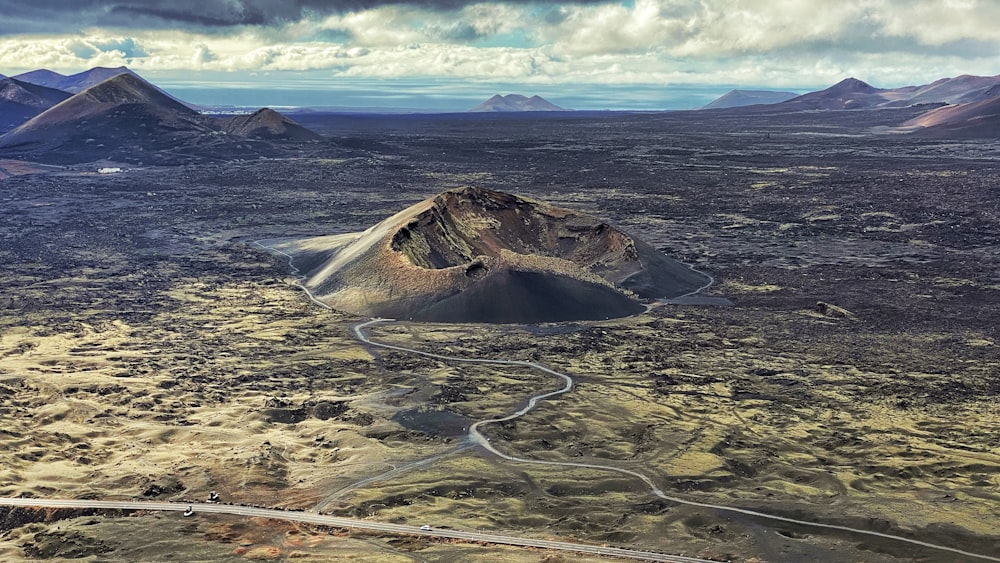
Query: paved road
[
  {"x": 367, "y": 525},
  {"x": 476, "y": 437}
]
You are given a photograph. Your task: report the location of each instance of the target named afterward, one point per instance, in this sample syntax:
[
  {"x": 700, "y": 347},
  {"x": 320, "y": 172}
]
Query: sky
[{"x": 452, "y": 54}]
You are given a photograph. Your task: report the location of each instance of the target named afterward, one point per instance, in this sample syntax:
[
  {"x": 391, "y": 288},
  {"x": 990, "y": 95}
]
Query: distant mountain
[
  {"x": 958, "y": 90},
  {"x": 127, "y": 119},
  {"x": 42, "y": 77},
  {"x": 123, "y": 116},
  {"x": 740, "y": 98},
  {"x": 80, "y": 81},
  {"x": 852, "y": 93},
  {"x": 75, "y": 82},
  {"x": 849, "y": 93},
  {"x": 268, "y": 124},
  {"x": 20, "y": 101},
  {"x": 516, "y": 102},
  {"x": 969, "y": 120}
]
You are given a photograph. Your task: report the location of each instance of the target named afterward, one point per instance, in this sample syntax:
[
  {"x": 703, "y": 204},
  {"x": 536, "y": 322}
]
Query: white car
[{"x": 426, "y": 527}]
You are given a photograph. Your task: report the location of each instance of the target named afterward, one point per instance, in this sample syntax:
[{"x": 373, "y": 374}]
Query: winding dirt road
[{"x": 476, "y": 437}]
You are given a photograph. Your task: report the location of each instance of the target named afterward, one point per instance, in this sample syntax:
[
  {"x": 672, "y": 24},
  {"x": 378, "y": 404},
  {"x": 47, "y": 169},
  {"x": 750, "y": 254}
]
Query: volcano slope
[
  {"x": 266, "y": 123},
  {"x": 477, "y": 255}
]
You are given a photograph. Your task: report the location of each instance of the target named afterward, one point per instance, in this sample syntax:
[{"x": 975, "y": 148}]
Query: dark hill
[
  {"x": 476, "y": 255},
  {"x": 80, "y": 81},
  {"x": 850, "y": 86},
  {"x": 20, "y": 101},
  {"x": 268, "y": 124},
  {"x": 849, "y": 93},
  {"x": 516, "y": 102},
  {"x": 43, "y": 77},
  {"x": 121, "y": 118}
]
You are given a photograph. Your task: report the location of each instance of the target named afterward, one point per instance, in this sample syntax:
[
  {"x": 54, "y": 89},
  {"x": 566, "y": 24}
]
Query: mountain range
[
  {"x": 125, "y": 118},
  {"x": 964, "y": 106},
  {"x": 75, "y": 82},
  {"x": 113, "y": 113},
  {"x": 852, "y": 93}
]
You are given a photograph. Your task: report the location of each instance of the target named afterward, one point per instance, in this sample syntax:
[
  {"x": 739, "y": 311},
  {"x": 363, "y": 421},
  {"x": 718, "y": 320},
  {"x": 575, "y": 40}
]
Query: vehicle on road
[
  {"x": 426, "y": 527},
  {"x": 189, "y": 511}
]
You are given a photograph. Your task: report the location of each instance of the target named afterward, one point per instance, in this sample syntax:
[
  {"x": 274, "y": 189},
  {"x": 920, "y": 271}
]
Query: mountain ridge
[
  {"x": 129, "y": 119},
  {"x": 73, "y": 83},
  {"x": 741, "y": 98},
  {"x": 120, "y": 113}
]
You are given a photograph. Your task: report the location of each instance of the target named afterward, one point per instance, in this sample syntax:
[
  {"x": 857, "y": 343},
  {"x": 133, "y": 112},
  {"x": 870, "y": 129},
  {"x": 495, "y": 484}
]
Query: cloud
[
  {"x": 733, "y": 27},
  {"x": 75, "y": 52},
  {"x": 55, "y": 15},
  {"x": 201, "y": 15},
  {"x": 202, "y": 55},
  {"x": 779, "y": 43},
  {"x": 127, "y": 46}
]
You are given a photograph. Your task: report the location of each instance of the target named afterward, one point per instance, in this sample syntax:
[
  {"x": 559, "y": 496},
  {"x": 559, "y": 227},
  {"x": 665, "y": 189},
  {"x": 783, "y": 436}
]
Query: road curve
[
  {"x": 349, "y": 523},
  {"x": 476, "y": 437}
]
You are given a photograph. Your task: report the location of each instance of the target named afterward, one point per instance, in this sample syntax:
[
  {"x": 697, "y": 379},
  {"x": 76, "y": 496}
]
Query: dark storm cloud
[{"x": 38, "y": 16}]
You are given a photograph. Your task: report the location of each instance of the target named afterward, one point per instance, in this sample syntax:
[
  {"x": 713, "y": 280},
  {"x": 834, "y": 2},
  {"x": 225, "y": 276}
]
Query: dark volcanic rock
[
  {"x": 12, "y": 517},
  {"x": 514, "y": 296}
]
